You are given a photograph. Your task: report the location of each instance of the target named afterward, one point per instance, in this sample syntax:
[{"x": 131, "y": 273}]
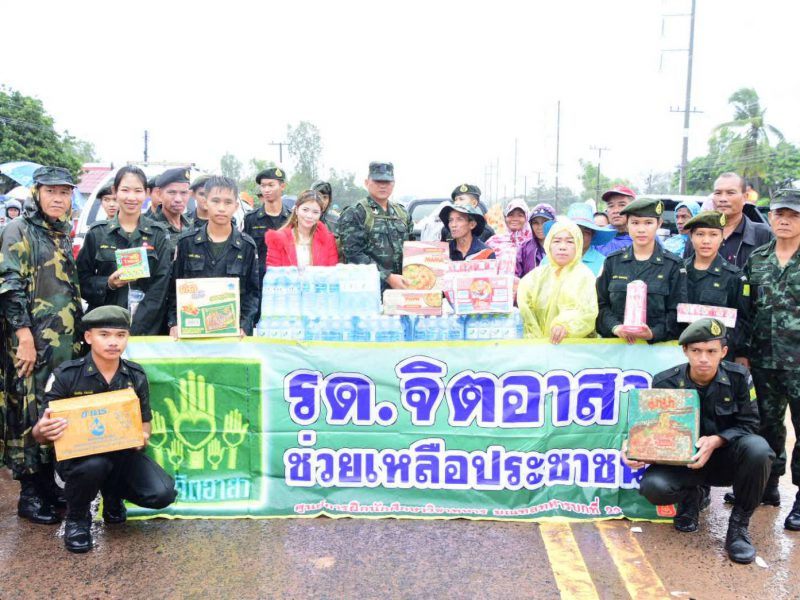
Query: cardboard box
[
  {"x": 208, "y": 307},
  {"x": 689, "y": 313},
  {"x": 98, "y": 423},
  {"x": 483, "y": 294},
  {"x": 412, "y": 302},
  {"x": 133, "y": 264},
  {"x": 425, "y": 263},
  {"x": 663, "y": 425}
]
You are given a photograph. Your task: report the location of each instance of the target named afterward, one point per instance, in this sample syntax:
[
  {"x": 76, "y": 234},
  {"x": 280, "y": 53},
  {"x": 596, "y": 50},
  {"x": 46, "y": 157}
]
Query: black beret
[
  {"x": 179, "y": 175},
  {"x": 271, "y": 173},
  {"x": 709, "y": 219},
  {"x": 644, "y": 207},
  {"x": 323, "y": 187},
  {"x": 466, "y": 188},
  {"x": 199, "y": 182},
  {"x": 703, "y": 330},
  {"x": 111, "y": 317}
]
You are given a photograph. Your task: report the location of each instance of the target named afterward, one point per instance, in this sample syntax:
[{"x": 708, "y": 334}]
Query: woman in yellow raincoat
[{"x": 558, "y": 300}]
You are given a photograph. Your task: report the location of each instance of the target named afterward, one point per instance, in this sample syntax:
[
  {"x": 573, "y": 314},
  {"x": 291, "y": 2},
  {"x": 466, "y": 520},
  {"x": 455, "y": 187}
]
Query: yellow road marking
[
  {"x": 569, "y": 569},
  {"x": 640, "y": 578}
]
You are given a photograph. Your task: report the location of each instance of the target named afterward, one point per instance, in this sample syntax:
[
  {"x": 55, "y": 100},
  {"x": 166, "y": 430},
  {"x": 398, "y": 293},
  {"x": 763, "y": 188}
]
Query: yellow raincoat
[{"x": 551, "y": 295}]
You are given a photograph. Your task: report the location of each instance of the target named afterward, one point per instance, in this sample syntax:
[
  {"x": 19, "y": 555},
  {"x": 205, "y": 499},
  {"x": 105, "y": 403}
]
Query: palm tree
[{"x": 750, "y": 147}]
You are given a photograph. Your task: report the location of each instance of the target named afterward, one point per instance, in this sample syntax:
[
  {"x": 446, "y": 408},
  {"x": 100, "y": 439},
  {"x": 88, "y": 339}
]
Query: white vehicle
[{"x": 93, "y": 210}]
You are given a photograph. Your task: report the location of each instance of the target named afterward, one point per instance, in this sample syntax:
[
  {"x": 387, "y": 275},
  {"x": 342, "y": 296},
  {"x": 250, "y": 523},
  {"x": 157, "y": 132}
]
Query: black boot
[
  {"x": 49, "y": 490},
  {"x": 772, "y": 495},
  {"x": 792, "y": 522},
  {"x": 705, "y": 496},
  {"x": 78, "y": 533},
  {"x": 114, "y": 510},
  {"x": 689, "y": 511},
  {"x": 32, "y": 506},
  {"x": 737, "y": 543}
]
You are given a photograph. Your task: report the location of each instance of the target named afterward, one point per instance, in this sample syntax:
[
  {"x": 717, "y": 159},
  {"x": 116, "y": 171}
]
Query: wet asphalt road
[{"x": 361, "y": 558}]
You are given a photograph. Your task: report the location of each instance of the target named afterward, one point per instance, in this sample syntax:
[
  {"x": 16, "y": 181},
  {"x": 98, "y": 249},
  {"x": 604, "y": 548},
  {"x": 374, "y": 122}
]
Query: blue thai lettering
[
  {"x": 456, "y": 469},
  {"x": 471, "y": 396},
  {"x": 522, "y": 400},
  {"x": 421, "y": 387},
  {"x": 559, "y": 470},
  {"x": 301, "y": 391},
  {"x": 427, "y": 465},
  {"x": 349, "y": 398}
]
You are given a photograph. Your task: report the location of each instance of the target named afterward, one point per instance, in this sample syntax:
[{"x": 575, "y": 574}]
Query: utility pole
[
  {"x": 280, "y": 146},
  {"x": 687, "y": 108},
  {"x": 599, "y": 158},
  {"x": 497, "y": 180},
  {"x": 515, "y": 168},
  {"x": 558, "y": 147},
  {"x": 525, "y": 188},
  {"x": 146, "y": 139}
]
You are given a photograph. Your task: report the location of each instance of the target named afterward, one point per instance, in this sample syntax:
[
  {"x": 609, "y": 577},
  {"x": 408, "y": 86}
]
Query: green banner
[{"x": 512, "y": 430}]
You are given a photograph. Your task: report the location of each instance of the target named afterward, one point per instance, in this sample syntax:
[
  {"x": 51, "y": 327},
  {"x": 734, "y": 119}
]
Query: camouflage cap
[
  {"x": 703, "y": 330},
  {"x": 708, "y": 219},
  {"x": 271, "y": 173},
  {"x": 466, "y": 188},
  {"x": 381, "y": 171},
  {"x": 52, "y": 176},
  {"x": 786, "y": 198},
  {"x": 110, "y": 317},
  {"x": 179, "y": 175},
  {"x": 644, "y": 207}
]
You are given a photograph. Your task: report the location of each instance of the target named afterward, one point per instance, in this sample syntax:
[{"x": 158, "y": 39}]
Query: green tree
[
  {"x": 27, "y": 132},
  {"x": 345, "y": 189},
  {"x": 230, "y": 166},
  {"x": 84, "y": 151},
  {"x": 750, "y": 148},
  {"x": 305, "y": 147},
  {"x": 592, "y": 188},
  {"x": 248, "y": 182}
]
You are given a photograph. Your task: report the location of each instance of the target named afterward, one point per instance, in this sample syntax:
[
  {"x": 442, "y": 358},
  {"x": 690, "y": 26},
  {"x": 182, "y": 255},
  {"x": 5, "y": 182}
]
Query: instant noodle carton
[
  {"x": 208, "y": 307},
  {"x": 132, "y": 262},
  {"x": 689, "y": 313},
  {"x": 412, "y": 302},
  {"x": 479, "y": 293},
  {"x": 425, "y": 263},
  {"x": 635, "y": 307},
  {"x": 663, "y": 425},
  {"x": 98, "y": 423}
]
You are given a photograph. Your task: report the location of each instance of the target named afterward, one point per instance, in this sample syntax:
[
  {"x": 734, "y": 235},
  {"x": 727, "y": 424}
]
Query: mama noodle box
[
  {"x": 208, "y": 307},
  {"x": 98, "y": 423},
  {"x": 689, "y": 313},
  {"x": 412, "y": 302},
  {"x": 476, "y": 293},
  {"x": 132, "y": 262},
  {"x": 425, "y": 263},
  {"x": 663, "y": 425}
]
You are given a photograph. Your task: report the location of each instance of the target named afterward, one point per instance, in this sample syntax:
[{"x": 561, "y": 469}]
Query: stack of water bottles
[{"x": 450, "y": 327}]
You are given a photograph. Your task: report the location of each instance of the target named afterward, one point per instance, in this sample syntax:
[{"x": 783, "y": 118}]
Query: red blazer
[{"x": 281, "y": 251}]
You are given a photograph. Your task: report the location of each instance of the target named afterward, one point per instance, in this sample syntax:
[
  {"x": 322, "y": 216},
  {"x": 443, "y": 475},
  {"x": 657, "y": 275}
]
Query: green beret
[
  {"x": 179, "y": 175},
  {"x": 381, "y": 171},
  {"x": 271, "y": 173},
  {"x": 644, "y": 207},
  {"x": 151, "y": 183},
  {"x": 106, "y": 190},
  {"x": 709, "y": 219},
  {"x": 53, "y": 176},
  {"x": 466, "y": 188},
  {"x": 110, "y": 317},
  {"x": 703, "y": 330},
  {"x": 199, "y": 182}
]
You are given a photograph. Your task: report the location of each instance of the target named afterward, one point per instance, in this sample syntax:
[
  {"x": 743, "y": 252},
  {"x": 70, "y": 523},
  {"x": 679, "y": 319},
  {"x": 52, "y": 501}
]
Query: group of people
[{"x": 571, "y": 272}]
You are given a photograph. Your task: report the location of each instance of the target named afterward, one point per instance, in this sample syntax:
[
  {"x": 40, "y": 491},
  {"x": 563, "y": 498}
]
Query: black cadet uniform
[
  {"x": 97, "y": 260},
  {"x": 722, "y": 284},
  {"x": 173, "y": 233},
  {"x": 728, "y": 408},
  {"x": 258, "y": 222},
  {"x": 663, "y": 273},
  {"x": 121, "y": 475},
  {"x": 198, "y": 256}
]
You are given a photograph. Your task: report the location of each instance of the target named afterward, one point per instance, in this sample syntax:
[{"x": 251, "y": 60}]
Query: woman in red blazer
[{"x": 303, "y": 240}]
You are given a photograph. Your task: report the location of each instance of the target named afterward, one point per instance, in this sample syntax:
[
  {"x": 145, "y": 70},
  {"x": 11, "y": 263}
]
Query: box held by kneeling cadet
[
  {"x": 98, "y": 423},
  {"x": 663, "y": 426},
  {"x": 208, "y": 307}
]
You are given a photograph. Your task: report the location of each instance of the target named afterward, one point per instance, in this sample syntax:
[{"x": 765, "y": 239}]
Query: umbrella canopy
[{"x": 20, "y": 171}]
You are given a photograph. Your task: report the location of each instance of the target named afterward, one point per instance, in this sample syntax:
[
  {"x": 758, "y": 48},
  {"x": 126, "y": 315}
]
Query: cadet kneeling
[
  {"x": 122, "y": 475},
  {"x": 729, "y": 451}
]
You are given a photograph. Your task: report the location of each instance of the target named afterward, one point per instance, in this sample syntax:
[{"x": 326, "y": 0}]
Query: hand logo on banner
[
  {"x": 234, "y": 434},
  {"x": 194, "y": 424}
]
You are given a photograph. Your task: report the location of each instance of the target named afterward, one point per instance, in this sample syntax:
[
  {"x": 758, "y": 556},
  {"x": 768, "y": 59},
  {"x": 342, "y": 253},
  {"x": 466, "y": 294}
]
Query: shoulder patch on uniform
[
  {"x": 134, "y": 366},
  {"x": 248, "y": 239},
  {"x": 98, "y": 224}
]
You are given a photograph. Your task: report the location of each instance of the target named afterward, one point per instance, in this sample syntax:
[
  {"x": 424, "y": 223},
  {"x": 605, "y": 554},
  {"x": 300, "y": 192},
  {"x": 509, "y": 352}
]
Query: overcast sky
[{"x": 442, "y": 89}]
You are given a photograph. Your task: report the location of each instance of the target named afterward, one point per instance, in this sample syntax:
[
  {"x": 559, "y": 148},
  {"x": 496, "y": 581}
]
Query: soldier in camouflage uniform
[
  {"x": 41, "y": 305},
  {"x": 774, "y": 349},
  {"x": 373, "y": 230}
]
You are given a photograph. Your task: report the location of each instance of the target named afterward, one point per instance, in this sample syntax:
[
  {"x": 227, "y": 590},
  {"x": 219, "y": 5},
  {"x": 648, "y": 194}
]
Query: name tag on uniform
[{"x": 689, "y": 313}]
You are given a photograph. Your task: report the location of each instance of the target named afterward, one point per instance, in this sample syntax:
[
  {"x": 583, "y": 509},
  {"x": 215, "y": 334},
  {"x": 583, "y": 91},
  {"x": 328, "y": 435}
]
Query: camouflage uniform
[
  {"x": 97, "y": 260},
  {"x": 774, "y": 349},
  {"x": 381, "y": 244},
  {"x": 39, "y": 289}
]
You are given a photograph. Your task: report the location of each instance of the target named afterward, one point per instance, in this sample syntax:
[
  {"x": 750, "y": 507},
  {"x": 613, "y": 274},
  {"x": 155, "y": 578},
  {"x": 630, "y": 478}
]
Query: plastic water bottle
[
  {"x": 455, "y": 328},
  {"x": 292, "y": 292},
  {"x": 334, "y": 289},
  {"x": 519, "y": 326}
]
